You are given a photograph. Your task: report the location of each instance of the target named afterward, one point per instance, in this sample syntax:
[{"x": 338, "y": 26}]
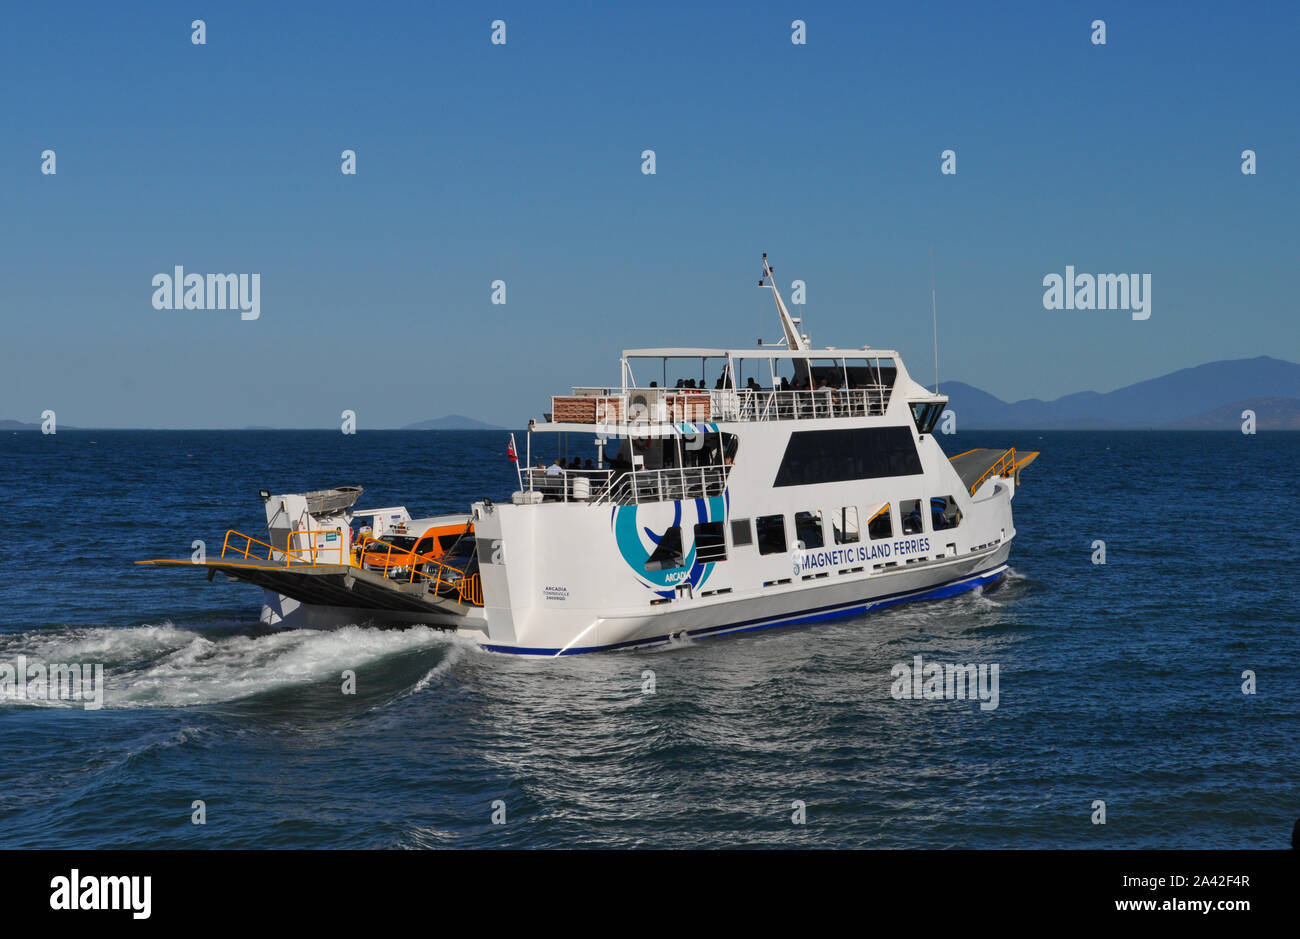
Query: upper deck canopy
[{"x": 758, "y": 352}]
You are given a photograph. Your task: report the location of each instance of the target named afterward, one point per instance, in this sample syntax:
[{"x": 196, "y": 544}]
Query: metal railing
[
  {"x": 748, "y": 404},
  {"x": 247, "y": 553},
  {"x": 301, "y": 555},
  {"x": 625, "y": 487},
  {"x": 564, "y": 486},
  {"x": 440, "y": 577},
  {"x": 1003, "y": 466},
  {"x": 665, "y": 485},
  {"x": 689, "y": 405}
]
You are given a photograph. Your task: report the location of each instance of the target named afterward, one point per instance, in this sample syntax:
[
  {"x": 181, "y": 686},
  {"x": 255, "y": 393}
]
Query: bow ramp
[
  {"x": 340, "y": 585},
  {"x": 975, "y": 466}
]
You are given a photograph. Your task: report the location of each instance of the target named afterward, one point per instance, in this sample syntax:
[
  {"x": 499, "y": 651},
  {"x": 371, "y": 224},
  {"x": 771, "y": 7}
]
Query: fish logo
[{"x": 638, "y": 533}]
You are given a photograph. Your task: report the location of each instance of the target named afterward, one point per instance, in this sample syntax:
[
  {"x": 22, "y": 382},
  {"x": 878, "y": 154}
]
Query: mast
[
  {"x": 789, "y": 325},
  {"x": 934, "y": 314}
]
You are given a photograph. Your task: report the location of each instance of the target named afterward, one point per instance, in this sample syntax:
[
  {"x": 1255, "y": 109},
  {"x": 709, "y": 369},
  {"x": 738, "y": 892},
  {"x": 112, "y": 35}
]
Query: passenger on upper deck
[{"x": 556, "y": 468}]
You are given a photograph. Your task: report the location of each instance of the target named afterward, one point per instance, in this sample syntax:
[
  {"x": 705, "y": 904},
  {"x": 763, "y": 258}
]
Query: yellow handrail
[
  {"x": 471, "y": 590},
  {"x": 468, "y": 589},
  {"x": 315, "y": 548},
  {"x": 249, "y": 541},
  {"x": 1001, "y": 467}
]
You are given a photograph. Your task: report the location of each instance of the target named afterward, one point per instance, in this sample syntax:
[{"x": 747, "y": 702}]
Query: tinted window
[
  {"x": 771, "y": 534},
  {"x": 926, "y": 416},
  {"x": 808, "y": 529},
  {"x": 710, "y": 542},
  {"x": 881, "y": 524},
  {"x": 944, "y": 513},
  {"x": 910, "y": 510},
  {"x": 831, "y": 456}
]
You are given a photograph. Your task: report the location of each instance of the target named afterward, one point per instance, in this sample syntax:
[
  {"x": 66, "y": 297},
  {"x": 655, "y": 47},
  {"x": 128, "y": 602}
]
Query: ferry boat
[{"x": 786, "y": 485}]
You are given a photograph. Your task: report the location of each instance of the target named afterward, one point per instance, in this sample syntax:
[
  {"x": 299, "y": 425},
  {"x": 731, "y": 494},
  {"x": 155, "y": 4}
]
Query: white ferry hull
[{"x": 799, "y": 607}]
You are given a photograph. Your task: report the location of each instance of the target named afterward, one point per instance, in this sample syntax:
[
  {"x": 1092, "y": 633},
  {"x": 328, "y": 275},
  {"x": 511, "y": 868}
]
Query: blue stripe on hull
[{"x": 837, "y": 611}]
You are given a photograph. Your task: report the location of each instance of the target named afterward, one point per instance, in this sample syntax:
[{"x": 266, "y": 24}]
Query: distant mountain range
[
  {"x": 452, "y": 422},
  {"x": 1206, "y": 397}
]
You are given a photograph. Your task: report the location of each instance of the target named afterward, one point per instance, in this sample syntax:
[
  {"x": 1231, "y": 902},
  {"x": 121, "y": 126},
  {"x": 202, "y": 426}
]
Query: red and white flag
[{"x": 511, "y": 452}]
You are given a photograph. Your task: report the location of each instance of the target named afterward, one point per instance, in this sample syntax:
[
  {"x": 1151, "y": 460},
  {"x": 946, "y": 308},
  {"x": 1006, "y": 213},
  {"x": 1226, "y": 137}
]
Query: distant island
[
  {"x": 452, "y": 422},
  {"x": 1206, "y": 397},
  {"x": 19, "y": 425}
]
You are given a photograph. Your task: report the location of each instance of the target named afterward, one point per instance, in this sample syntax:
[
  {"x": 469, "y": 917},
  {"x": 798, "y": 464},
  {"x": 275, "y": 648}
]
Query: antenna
[
  {"x": 789, "y": 325},
  {"x": 934, "y": 314}
]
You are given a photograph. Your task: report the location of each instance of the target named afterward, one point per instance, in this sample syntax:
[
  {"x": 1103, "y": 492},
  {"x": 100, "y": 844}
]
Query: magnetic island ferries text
[{"x": 785, "y": 485}]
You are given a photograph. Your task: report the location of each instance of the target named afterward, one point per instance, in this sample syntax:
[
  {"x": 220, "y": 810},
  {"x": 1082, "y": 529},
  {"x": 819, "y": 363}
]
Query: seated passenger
[{"x": 556, "y": 468}]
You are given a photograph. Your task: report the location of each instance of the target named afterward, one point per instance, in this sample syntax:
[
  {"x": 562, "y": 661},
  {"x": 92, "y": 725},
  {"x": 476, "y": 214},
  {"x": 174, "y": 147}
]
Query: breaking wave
[{"x": 166, "y": 666}]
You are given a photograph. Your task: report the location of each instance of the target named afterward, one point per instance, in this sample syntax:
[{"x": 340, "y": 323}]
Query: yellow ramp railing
[
  {"x": 1001, "y": 467},
  {"x": 441, "y": 577}
]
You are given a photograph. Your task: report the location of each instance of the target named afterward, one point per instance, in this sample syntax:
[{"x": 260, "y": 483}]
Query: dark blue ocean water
[{"x": 1119, "y": 682}]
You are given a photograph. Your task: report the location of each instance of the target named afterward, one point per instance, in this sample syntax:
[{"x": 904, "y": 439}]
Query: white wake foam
[{"x": 165, "y": 666}]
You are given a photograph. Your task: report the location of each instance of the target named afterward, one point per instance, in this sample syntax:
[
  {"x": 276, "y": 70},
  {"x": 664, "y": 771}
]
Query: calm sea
[{"x": 1119, "y": 683}]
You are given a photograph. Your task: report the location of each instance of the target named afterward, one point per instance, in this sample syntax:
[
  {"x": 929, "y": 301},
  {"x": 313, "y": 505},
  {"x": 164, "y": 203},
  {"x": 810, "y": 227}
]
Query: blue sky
[{"x": 522, "y": 162}]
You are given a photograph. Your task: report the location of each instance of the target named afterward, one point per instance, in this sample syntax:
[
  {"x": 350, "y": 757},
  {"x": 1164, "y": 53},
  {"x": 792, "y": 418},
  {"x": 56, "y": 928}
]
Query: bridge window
[
  {"x": 944, "y": 513},
  {"x": 844, "y": 523},
  {"x": 926, "y": 416},
  {"x": 808, "y": 529},
  {"x": 881, "y": 525},
  {"x": 668, "y": 553},
  {"x": 771, "y": 534},
  {"x": 710, "y": 542},
  {"x": 913, "y": 523}
]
